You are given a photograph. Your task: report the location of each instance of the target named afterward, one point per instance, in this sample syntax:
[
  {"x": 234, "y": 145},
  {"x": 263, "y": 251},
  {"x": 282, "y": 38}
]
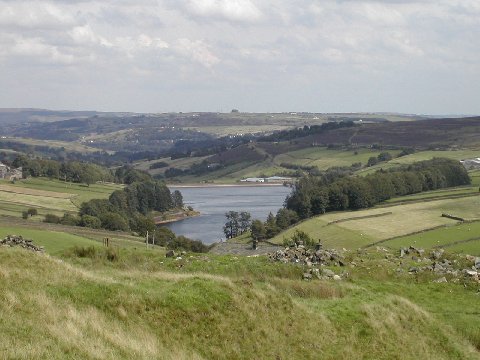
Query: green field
[
  {"x": 48, "y": 196},
  {"x": 423, "y": 155},
  {"x": 437, "y": 194},
  {"x": 324, "y": 158},
  {"x": 464, "y": 238},
  {"x": 54, "y": 242},
  {"x": 67, "y": 145},
  {"x": 354, "y": 229}
]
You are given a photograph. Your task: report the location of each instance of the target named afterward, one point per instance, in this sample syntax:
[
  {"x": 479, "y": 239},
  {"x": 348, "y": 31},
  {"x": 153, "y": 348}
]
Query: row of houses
[
  {"x": 271, "y": 180},
  {"x": 9, "y": 173}
]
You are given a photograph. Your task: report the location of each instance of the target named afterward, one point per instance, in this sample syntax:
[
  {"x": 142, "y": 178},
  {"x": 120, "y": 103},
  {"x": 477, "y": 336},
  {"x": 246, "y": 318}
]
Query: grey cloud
[{"x": 223, "y": 50}]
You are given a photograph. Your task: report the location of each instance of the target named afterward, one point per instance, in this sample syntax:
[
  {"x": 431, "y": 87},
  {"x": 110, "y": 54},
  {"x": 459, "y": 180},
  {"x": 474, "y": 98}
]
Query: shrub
[
  {"x": 299, "y": 238},
  {"x": 69, "y": 219},
  {"x": 85, "y": 251},
  {"x": 111, "y": 254},
  {"x": 51, "y": 218},
  {"x": 32, "y": 212},
  {"x": 113, "y": 221},
  {"x": 90, "y": 221},
  {"x": 25, "y": 214}
]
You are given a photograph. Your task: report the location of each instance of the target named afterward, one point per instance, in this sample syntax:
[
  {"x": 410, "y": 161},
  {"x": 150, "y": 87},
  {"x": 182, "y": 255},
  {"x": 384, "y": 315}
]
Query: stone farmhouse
[{"x": 9, "y": 173}]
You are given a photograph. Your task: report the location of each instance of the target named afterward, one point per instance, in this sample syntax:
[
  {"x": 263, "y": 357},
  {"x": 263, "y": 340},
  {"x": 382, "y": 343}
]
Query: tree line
[
  {"x": 73, "y": 171},
  {"x": 317, "y": 195}
]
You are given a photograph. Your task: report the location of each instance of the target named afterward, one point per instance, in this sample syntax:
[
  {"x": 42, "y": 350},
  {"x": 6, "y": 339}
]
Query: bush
[
  {"x": 69, "y": 219},
  {"x": 111, "y": 254},
  {"x": 32, "y": 212},
  {"x": 113, "y": 221},
  {"x": 92, "y": 222},
  {"x": 52, "y": 219},
  {"x": 25, "y": 214},
  {"x": 184, "y": 243},
  {"x": 85, "y": 251},
  {"x": 300, "y": 238}
]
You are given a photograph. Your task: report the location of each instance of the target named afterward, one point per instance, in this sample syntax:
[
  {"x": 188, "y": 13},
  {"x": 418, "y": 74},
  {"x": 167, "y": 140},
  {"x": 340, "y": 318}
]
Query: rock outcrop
[{"x": 17, "y": 240}]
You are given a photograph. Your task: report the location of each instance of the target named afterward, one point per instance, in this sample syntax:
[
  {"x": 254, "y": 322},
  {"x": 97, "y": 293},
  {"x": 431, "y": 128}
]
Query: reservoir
[{"x": 214, "y": 201}]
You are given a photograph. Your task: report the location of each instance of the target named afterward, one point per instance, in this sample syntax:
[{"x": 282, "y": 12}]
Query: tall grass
[{"x": 69, "y": 310}]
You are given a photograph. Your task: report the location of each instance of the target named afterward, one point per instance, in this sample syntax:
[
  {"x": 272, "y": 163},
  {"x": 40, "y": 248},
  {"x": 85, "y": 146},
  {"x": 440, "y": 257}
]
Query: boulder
[
  {"x": 441, "y": 280},
  {"x": 437, "y": 254},
  {"x": 170, "y": 253},
  {"x": 307, "y": 276}
]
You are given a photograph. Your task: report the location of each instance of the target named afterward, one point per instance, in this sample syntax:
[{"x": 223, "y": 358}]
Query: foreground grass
[{"x": 144, "y": 306}]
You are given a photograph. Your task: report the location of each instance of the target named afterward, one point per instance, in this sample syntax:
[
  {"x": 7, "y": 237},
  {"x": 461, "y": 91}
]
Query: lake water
[{"x": 214, "y": 201}]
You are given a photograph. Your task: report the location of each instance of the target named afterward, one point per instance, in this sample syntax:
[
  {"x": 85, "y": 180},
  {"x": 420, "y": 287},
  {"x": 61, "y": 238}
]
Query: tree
[
  {"x": 286, "y": 218},
  {"x": 258, "y": 230},
  {"x": 177, "y": 199},
  {"x": 231, "y": 227},
  {"x": 245, "y": 221},
  {"x": 319, "y": 202},
  {"x": 271, "y": 227},
  {"x": 142, "y": 224},
  {"x": 113, "y": 221},
  {"x": 89, "y": 221},
  {"x": 164, "y": 236}
]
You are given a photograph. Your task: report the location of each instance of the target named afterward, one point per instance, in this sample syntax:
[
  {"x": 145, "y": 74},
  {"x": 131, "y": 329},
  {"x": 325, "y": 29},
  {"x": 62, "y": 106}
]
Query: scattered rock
[
  {"x": 170, "y": 253},
  {"x": 327, "y": 272},
  {"x": 303, "y": 256},
  {"x": 17, "y": 240},
  {"x": 437, "y": 254},
  {"x": 441, "y": 280},
  {"x": 307, "y": 276}
]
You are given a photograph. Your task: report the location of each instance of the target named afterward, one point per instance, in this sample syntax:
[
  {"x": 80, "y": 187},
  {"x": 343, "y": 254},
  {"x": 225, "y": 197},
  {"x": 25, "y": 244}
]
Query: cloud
[
  {"x": 198, "y": 51},
  {"x": 34, "y": 15},
  {"x": 277, "y": 49},
  {"x": 229, "y": 10}
]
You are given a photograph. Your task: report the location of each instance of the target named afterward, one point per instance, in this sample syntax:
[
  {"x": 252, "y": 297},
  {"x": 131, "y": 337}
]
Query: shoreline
[
  {"x": 178, "y": 217},
  {"x": 221, "y": 185}
]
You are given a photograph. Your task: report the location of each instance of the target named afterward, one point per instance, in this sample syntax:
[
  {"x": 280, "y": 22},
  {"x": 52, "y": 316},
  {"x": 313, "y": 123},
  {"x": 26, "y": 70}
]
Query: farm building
[
  {"x": 253, "y": 180},
  {"x": 3, "y": 170},
  {"x": 8, "y": 173},
  {"x": 277, "y": 179}
]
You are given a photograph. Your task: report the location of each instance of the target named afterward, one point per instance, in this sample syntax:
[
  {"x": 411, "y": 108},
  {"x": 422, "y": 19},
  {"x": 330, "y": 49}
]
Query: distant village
[
  {"x": 9, "y": 173},
  {"x": 271, "y": 180}
]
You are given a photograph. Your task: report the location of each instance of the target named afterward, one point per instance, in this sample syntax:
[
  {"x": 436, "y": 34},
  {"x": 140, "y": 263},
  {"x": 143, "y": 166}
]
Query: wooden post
[{"x": 146, "y": 240}]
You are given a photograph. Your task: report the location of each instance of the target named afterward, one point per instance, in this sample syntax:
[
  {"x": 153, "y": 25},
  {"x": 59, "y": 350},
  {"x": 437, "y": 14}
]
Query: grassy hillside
[
  {"x": 324, "y": 158},
  {"x": 353, "y": 229},
  {"x": 268, "y": 160},
  {"x": 144, "y": 306},
  {"x": 48, "y": 196}
]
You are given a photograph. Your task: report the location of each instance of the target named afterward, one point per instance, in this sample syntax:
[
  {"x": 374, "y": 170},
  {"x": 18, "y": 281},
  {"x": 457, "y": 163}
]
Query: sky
[{"x": 407, "y": 56}]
